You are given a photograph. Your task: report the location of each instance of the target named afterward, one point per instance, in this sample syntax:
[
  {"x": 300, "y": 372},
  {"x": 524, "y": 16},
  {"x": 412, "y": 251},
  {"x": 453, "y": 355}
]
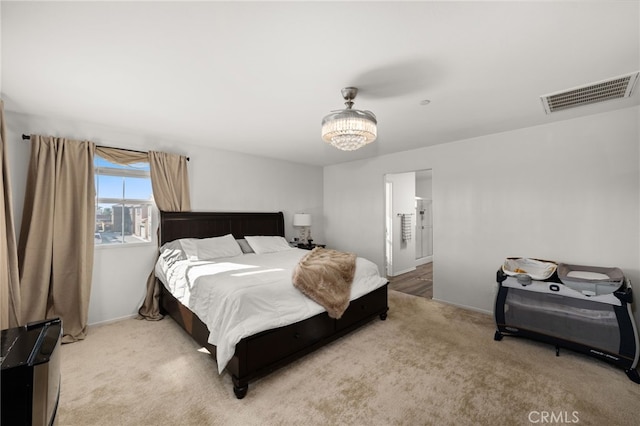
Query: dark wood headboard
[{"x": 175, "y": 225}]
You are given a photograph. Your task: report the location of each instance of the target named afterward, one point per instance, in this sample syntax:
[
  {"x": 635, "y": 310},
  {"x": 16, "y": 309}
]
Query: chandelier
[{"x": 349, "y": 129}]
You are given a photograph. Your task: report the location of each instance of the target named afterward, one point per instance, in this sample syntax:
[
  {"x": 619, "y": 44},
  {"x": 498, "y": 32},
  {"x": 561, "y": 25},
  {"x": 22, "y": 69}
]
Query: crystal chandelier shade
[{"x": 349, "y": 129}]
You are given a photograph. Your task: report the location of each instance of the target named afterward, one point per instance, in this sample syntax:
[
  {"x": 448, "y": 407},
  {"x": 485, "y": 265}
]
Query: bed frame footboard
[{"x": 260, "y": 354}]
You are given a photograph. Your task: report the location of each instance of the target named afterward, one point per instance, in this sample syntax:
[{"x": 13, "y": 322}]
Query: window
[{"x": 124, "y": 203}]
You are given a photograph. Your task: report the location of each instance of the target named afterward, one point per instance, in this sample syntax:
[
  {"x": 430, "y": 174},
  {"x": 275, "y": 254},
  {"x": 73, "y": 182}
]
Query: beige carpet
[{"x": 427, "y": 364}]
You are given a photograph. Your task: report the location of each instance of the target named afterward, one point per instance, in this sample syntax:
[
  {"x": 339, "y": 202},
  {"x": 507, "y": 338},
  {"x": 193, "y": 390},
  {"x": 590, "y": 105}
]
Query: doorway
[{"x": 409, "y": 256}]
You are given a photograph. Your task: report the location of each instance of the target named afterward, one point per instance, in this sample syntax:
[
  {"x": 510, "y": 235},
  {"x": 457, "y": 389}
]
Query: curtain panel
[
  {"x": 56, "y": 245},
  {"x": 170, "y": 181},
  {"x": 170, "y": 184},
  {"x": 9, "y": 275}
]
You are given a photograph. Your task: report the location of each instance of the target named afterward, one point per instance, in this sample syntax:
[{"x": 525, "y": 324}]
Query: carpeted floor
[{"x": 427, "y": 364}]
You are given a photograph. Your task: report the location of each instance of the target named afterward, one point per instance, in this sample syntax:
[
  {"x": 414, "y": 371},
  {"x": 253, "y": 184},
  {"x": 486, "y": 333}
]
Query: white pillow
[
  {"x": 173, "y": 249},
  {"x": 216, "y": 247},
  {"x": 268, "y": 244},
  {"x": 184, "y": 248},
  {"x": 189, "y": 247}
]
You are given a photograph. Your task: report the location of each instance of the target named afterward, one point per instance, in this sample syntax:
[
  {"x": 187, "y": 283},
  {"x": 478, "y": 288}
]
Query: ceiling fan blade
[{"x": 398, "y": 79}]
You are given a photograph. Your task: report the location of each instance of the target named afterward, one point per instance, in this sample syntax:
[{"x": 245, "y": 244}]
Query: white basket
[{"x": 536, "y": 269}]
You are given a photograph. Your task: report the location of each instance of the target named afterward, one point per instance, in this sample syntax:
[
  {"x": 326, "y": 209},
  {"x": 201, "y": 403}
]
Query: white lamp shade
[{"x": 301, "y": 219}]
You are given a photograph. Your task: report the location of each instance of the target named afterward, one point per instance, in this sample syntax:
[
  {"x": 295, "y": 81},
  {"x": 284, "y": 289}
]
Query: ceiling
[{"x": 257, "y": 77}]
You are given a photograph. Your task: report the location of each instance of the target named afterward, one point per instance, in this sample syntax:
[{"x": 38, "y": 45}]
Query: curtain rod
[{"x": 27, "y": 137}]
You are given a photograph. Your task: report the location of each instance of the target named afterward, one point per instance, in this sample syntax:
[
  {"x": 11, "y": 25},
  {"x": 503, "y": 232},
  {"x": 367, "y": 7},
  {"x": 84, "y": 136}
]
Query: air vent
[{"x": 615, "y": 88}]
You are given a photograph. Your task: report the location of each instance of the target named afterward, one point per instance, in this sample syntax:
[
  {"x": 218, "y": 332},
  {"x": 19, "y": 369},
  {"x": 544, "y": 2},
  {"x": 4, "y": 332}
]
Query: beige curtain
[
  {"x": 170, "y": 183},
  {"x": 9, "y": 277},
  {"x": 121, "y": 156},
  {"x": 55, "y": 249}
]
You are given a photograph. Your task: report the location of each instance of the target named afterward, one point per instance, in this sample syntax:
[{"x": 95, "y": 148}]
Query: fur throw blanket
[{"x": 325, "y": 276}]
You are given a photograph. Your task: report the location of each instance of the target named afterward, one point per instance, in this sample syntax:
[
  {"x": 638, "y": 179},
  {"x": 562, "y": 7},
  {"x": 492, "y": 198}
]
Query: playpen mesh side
[{"x": 589, "y": 323}]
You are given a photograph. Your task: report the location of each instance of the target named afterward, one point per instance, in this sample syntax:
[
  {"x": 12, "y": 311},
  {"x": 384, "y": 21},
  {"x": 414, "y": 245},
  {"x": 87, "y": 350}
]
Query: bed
[{"x": 258, "y": 354}]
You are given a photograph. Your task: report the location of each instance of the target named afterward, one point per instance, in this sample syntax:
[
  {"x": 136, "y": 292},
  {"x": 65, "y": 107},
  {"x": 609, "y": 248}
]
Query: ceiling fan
[{"x": 349, "y": 129}]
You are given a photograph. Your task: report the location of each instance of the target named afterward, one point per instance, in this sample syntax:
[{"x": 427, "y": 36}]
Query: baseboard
[
  {"x": 424, "y": 260},
  {"x": 404, "y": 271},
  {"x": 459, "y": 305},
  {"x": 111, "y": 321}
]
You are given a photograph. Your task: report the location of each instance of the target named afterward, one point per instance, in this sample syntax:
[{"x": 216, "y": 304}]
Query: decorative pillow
[
  {"x": 216, "y": 247},
  {"x": 268, "y": 244},
  {"x": 244, "y": 246}
]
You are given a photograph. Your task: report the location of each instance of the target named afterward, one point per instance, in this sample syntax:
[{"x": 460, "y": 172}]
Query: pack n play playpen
[{"x": 583, "y": 308}]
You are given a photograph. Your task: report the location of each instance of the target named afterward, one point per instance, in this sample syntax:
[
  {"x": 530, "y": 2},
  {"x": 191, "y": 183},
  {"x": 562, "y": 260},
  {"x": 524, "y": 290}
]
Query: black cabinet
[{"x": 31, "y": 373}]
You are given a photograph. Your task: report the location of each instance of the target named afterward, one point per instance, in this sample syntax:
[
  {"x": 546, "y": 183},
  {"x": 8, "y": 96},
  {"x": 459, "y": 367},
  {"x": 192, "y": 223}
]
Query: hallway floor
[{"x": 417, "y": 283}]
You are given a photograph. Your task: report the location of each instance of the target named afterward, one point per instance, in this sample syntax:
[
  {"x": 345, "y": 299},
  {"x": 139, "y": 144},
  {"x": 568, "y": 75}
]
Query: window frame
[{"x": 124, "y": 173}]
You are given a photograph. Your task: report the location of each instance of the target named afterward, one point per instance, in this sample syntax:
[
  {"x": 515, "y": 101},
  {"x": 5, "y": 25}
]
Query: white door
[{"x": 388, "y": 237}]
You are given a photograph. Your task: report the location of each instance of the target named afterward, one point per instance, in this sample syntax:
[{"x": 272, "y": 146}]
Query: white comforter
[{"x": 240, "y": 296}]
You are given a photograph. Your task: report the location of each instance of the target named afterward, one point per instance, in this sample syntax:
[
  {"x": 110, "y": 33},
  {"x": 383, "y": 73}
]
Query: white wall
[
  {"x": 423, "y": 184},
  {"x": 567, "y": 191},
  {"x": 227, "y": 181},
  {"x": 219, "y": 180}
]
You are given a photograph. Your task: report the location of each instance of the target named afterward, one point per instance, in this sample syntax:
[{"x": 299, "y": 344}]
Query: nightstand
[{"x": 310, "y": 246}]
